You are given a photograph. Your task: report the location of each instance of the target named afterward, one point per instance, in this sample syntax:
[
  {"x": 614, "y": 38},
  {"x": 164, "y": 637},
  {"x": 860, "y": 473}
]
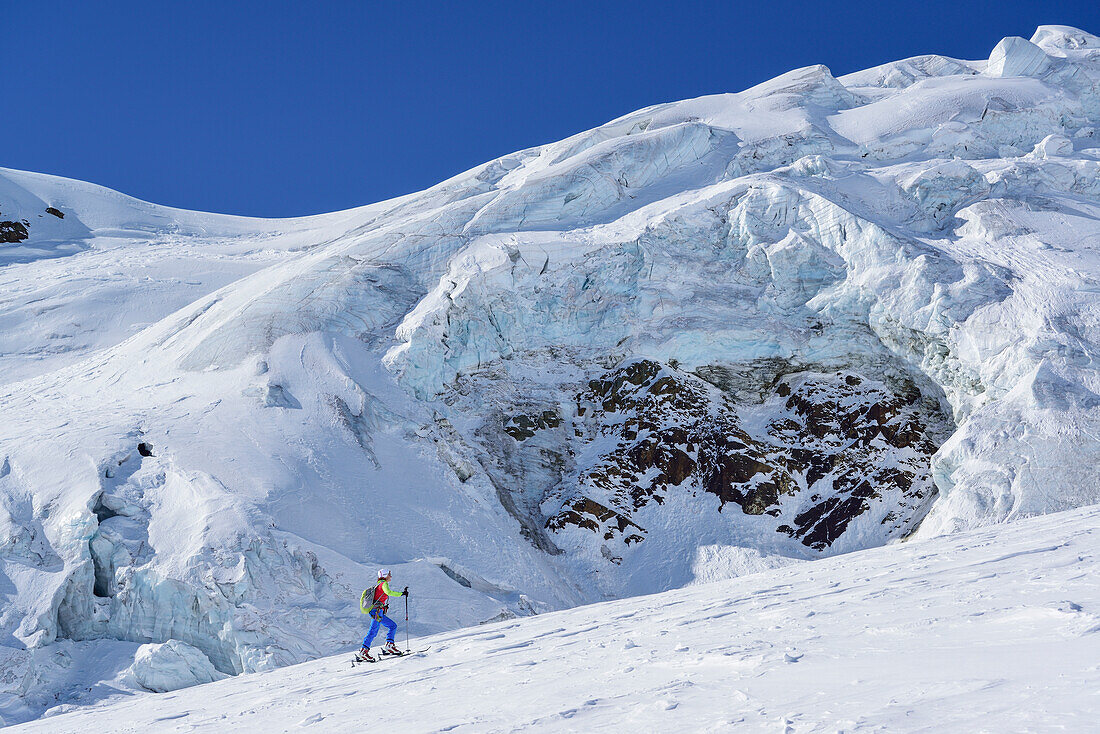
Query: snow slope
[
  {"x": 111, "y": 265},
  {"x": 708, "y": 338},
  {"x": 992, "y": 630}
]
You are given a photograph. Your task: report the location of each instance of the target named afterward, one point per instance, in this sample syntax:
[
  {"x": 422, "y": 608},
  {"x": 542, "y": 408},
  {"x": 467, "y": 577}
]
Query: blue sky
[{"x": 284, "y": 108}]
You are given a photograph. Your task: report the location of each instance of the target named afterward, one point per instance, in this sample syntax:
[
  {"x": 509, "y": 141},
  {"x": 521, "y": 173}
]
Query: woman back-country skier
[{"x": 380, "y": 604}]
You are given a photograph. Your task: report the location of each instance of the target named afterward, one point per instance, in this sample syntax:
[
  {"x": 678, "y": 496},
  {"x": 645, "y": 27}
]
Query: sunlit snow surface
[
  {"x": 215, "y": 428},
  {"x": 995, "y": 630}
]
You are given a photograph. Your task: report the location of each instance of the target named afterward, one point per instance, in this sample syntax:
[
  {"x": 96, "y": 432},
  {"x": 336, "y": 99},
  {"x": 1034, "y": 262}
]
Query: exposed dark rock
[
  {"x": 11, "y": 232},
  {"x": 838, "y": 444},
  {"x": 522, "y": 427},
  {"x": 56, "y": 212},
  {"x": 591, "y": 515}
]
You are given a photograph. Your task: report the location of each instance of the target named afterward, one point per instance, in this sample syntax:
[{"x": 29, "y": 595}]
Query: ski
[{"x": 357, "y": 661}]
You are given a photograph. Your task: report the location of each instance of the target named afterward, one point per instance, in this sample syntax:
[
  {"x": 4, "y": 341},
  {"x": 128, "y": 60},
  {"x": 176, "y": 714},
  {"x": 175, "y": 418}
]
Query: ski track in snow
[{"x": 995, "y": 630}]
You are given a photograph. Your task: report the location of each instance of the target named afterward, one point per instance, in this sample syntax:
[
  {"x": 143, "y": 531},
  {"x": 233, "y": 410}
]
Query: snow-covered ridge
[
  {"x": 706, "y": 338},
  {"x": 991, "y": 630}
]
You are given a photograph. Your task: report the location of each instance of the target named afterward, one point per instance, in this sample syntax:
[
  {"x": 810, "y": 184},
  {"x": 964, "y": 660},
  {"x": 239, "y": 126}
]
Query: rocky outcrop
[
  {"x": 820, "y": 451},
  {"x": 521, "y": 427},
  {"x": 12, "y": 231}
]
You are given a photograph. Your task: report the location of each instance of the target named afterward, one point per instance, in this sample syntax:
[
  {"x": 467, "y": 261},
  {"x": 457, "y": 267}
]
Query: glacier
[{"x": 709, "y": 338}]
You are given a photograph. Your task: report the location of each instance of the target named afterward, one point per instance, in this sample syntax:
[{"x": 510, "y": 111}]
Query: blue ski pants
[{"x": 391, "y": 626}]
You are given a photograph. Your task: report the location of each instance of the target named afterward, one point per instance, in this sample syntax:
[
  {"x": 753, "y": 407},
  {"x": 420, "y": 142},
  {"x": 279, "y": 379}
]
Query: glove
[{"x": 405, "y": 592}]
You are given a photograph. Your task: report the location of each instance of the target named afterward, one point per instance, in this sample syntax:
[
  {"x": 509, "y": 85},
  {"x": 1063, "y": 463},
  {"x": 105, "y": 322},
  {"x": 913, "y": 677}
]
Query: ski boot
[
  {"x": 364, "y": 656},
  {"x": 391, "y": 649}
]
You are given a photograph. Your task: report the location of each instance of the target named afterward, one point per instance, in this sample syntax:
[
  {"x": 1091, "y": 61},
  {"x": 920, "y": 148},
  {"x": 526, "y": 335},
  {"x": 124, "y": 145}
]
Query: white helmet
[{"x": 383, "y": 573}]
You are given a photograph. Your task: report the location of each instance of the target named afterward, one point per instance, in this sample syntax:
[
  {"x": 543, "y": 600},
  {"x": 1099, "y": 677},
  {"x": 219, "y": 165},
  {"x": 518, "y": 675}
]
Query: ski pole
[{"x": 407, "y": 648}]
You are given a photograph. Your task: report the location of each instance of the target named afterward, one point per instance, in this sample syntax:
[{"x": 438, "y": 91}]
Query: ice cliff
[{"x": 709, "y": 337}]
